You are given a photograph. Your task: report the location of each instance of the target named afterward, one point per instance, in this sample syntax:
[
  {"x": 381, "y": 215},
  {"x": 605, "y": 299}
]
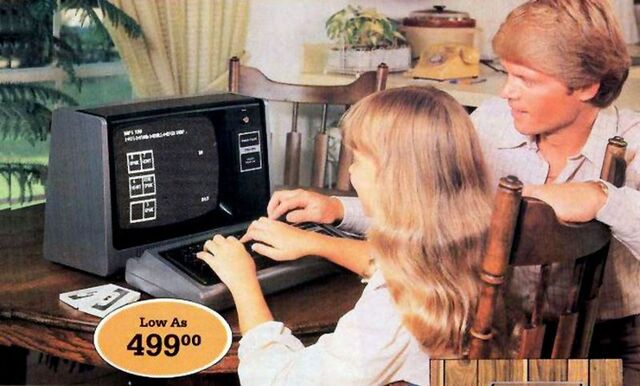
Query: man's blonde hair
[
  {"x": 576, "y": 41},
  {"x": 432, "y": 208}
]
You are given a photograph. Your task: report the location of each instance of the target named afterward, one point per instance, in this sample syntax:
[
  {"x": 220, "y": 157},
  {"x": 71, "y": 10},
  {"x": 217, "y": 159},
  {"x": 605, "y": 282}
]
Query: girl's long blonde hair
[{"x": 433, "y": 208}]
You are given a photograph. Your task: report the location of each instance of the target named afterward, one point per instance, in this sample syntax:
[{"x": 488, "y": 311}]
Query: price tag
[{"x": 162, "y": 338}]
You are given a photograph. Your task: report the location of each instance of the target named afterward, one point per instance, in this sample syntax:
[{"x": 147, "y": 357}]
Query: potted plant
[{"x": 363, "y": 39}]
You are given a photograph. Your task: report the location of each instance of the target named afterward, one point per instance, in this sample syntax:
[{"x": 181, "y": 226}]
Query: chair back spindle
[
  {"x": 525, "y": 231},
  {"x": 292, "y": 151},
  {"x": 320, "y": 152},
  {"x": 251, "y": 82}
]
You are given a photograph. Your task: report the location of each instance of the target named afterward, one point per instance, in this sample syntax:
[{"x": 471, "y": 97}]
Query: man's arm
[
  {"x": 584, "y": 201},
  {"x": 353, "y": 218},
  {"x": 622, "y": 213}
]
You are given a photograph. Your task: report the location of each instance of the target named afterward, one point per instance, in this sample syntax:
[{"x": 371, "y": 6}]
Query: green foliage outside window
[{"x": 27, "y": 40}]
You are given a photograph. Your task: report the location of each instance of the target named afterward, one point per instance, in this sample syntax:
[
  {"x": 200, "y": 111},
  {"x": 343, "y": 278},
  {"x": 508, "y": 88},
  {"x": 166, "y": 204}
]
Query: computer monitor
[{"x": 124, "y": 178}]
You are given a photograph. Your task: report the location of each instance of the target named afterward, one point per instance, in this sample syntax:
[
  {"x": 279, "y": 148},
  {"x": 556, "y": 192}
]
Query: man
[{"x": 566, "y": 63}]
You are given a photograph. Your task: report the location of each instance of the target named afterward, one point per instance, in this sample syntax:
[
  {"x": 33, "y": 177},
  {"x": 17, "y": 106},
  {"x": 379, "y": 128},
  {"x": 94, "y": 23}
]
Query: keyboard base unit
[{"x": 157, "y": 273}]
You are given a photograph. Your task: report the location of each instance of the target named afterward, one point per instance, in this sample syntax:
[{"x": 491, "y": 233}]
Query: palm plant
[
  {"x": 26, "y": 35},
  {"x": 26, "y": 109}
]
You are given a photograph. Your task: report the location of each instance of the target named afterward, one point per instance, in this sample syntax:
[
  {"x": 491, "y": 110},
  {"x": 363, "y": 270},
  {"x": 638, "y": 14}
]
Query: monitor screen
[
  {"x": 166, "y": 171},
  {"x": 186, "y": 172}
]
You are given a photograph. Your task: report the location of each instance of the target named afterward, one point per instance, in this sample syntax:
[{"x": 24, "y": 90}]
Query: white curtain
[{"x": 186, "y": 44}]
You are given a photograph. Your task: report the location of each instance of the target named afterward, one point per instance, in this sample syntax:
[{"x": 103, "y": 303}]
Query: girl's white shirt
[{"x": 370, "y": 346}]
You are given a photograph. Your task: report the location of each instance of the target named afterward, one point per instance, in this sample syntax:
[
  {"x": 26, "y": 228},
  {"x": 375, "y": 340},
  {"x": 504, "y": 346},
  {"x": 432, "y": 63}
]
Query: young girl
[{"x": 421, "y": 178}]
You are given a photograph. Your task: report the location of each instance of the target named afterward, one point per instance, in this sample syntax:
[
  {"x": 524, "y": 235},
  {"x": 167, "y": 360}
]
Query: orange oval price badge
[{"x": 162, "y": 338}]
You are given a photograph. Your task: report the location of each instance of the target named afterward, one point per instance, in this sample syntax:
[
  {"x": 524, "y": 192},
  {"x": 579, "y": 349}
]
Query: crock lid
[{"x": 438, "y": 17}]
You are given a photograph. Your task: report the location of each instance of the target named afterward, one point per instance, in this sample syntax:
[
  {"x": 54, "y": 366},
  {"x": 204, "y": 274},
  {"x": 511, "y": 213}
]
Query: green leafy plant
[
  {"x": 27, "y": 175},
  {"x": 26, "y": 30},
  {"x": 363, "y": 29},
  {"x": 26, "y": 109},
  {"x": 26, "y": 37}
]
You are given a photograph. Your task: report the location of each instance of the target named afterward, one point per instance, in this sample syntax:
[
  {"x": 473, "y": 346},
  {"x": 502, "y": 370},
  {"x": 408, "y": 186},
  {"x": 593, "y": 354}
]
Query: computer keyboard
[
  {"x": 184, "y": 257},
  {"x": 173, "y": 270}
]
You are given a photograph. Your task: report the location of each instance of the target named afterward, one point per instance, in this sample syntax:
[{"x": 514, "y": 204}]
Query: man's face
[{"x": 540, "y": 103}]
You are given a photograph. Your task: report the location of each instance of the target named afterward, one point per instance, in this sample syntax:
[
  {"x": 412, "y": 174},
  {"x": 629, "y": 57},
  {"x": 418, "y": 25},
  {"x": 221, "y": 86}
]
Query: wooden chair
[
  {"x": 251, "y": 82},
  {"x": 525, "y": 231}
]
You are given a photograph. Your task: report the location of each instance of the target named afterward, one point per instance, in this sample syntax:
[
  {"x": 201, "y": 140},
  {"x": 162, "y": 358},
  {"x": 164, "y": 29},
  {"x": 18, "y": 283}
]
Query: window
[{"x": 30, "y": 37}]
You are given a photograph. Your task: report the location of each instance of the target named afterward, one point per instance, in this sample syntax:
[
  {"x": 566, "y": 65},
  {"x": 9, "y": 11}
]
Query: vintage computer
[{"x": 143, "y": 185}]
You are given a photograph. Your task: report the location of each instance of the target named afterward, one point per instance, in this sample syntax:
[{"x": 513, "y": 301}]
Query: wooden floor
[{"x": 606, "y": 372}]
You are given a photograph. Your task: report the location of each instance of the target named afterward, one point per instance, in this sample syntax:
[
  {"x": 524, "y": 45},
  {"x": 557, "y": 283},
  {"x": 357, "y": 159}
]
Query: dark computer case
[{"x": 78, "y": 219}]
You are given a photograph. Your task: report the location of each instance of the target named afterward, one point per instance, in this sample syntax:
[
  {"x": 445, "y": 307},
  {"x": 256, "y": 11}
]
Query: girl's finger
[
  {"x": 277, "y": 198},
  {"x": 258, "y": 235},
  {"x": 206, "y": 257},
  {"x": 246, "y": 237},
  {"x": 259, "y": 223},
  {"x": 210, "y": 246},
  {"x": 286, "y": 201},
  {"x": 266, "y": 250},
  {"x": 299, "y": 215}
]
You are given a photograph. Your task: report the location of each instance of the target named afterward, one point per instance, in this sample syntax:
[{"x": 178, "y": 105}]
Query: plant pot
[{"x": 356, "y": 60}]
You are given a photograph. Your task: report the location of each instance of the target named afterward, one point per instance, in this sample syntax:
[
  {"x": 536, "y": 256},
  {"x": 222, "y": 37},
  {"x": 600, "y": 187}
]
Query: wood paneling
[
  {"x": 501, "y": 370},
  {"x": 578, "y": 371},
  {"x": 461, "y": 372},
  {"x": 547, "y": 370},
  {"x": 605, "y": 372},
  {"x": 596, "y": 372}
]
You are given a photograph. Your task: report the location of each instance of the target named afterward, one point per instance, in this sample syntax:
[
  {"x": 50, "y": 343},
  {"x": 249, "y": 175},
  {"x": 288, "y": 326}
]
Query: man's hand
[
  {"x": 280, "y": 241},
  {"x": 302, "y": 205},
  {"x": 572, "y": 201}
]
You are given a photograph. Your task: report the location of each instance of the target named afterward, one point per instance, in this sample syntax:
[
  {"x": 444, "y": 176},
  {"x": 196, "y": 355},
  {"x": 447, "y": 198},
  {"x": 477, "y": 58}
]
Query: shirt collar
[
  {"x": 376, "y": 281},
  {"x": 512, "y": 139},
  {"x": 604, "y": 127}
]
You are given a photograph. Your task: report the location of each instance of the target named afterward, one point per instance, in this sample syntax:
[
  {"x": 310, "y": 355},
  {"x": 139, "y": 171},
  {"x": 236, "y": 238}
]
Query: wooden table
[{"x": 32, "y": 317}]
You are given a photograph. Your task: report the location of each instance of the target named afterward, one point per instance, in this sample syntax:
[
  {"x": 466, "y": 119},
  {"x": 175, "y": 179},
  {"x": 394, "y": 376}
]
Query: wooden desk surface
[{"x": 31, "y": 316}]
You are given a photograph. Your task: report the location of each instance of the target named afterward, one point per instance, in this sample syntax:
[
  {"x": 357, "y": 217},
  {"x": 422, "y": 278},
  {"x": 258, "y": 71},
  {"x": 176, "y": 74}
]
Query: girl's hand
[
  {"x": 302, "y": 205},
  {"x": 230, "y": 261},
  {"x": 280, "y": 241}
]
